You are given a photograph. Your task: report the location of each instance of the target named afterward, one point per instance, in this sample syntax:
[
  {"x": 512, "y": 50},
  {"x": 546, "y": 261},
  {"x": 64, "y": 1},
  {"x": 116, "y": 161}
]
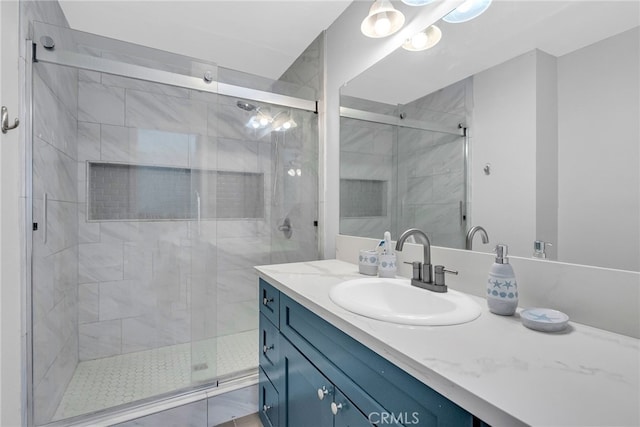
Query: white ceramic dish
[{"x": 544, "y": 319}]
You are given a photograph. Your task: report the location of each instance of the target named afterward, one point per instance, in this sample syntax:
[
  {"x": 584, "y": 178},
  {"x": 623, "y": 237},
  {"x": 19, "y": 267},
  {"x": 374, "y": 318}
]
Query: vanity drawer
[
  {"x": 269, "y": 298},
  {"x": 269, "y": 348},
  {"x": 269, "y": 403}
]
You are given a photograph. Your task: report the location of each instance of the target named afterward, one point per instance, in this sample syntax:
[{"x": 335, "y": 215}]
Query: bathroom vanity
[{"x": 321, "y": 365}]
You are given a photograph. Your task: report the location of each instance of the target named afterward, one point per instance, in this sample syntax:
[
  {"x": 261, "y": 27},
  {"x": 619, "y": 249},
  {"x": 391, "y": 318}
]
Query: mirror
[{"x": 550, "y": 94}]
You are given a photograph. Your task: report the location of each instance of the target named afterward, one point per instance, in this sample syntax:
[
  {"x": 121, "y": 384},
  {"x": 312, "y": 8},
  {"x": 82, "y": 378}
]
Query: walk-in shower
[{"x": 151, "y": 200}]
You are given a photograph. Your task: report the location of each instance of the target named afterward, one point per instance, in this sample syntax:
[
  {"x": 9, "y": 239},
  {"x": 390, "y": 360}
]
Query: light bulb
[
  {"x": 423, "y": 40},
  {"x": 467, "y": 11},
  {"x": 382, "y": 25},
  {"x": 264, "y": 121},
  {"x": 465, "y": 7},
  {"x": 419, "y": 40},
  {"x": 286, "y": 125},
  {"x": 255, "y": 124},
  {"x": 298, "y": 172},
  {"x": 291, "y": 172}
]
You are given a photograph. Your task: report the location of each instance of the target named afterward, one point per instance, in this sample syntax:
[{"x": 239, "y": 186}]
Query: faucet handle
[
  {"x": 417, "y": 269},
  {"x": 439, "y": 272},
  {"x": 540, "y": 249}
]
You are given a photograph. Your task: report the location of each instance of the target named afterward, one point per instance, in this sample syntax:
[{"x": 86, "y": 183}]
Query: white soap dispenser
[{"x": 502, "y": 289}]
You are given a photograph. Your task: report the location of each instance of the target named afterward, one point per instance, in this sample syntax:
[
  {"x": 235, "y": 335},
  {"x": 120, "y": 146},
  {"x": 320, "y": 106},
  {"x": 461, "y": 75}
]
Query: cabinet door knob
[
  {"x": 266, "y": 301},
  {"x": 335, "y": 407},
  {"x": 266, "y": 407},
  {"x": 322, "y": 392},
  {"x": 266, "y": 348}
]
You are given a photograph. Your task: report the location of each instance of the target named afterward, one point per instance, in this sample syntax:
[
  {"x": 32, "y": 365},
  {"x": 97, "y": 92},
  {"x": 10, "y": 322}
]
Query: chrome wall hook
[{"x": 5, "y": 121}]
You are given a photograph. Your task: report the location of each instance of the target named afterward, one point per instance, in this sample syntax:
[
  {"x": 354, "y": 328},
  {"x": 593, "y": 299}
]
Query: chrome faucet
[
  {"x": 422, "y": 274},
  {"x": 472, "y": 232}
]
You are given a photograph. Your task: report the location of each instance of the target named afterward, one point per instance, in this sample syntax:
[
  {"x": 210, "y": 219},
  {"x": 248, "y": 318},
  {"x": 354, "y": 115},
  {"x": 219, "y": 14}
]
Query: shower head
[{"x": 246, "y": 106}]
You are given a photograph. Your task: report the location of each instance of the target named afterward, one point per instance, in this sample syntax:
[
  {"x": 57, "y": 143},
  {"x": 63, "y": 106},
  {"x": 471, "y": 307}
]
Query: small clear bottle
[{"x": 502, "y": 288}]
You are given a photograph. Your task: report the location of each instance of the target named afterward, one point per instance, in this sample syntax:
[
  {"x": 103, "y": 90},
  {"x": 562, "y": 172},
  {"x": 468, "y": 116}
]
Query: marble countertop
[{"x": 493, "y": 367}]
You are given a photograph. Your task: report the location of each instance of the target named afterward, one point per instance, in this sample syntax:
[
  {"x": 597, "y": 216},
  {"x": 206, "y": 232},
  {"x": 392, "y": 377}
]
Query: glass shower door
[
  {"x": 431, "y": 184},
  {"x": 244, "y": 205},
  {"x": 152, "y": 202}
]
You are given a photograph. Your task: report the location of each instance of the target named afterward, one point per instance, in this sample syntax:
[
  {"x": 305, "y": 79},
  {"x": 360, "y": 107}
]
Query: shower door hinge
[{"x": 35, "y": 226}]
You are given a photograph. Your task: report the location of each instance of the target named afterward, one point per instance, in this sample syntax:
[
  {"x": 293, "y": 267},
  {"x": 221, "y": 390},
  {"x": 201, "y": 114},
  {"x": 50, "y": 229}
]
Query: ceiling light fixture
[
  {"x": 423, "y": 40},
  {"x": 417, "y": 2},
  {"x": 383, "y": 20},
  {"x": 467, "y": 11}
]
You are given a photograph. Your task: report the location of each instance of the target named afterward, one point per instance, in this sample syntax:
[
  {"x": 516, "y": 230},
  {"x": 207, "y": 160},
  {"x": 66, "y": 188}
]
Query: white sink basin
[{"x": 396, "y": 301}]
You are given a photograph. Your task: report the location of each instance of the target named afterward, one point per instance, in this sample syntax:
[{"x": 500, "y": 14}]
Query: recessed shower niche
[{"x": 132, "y": 192}]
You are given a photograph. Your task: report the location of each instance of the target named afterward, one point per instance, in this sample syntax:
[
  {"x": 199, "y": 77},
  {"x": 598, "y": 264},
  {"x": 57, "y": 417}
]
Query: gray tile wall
[
  {"x": 147, "y": 284},
  {"x": 204, "y": 413},
  {"x": 296, "y": 197}
]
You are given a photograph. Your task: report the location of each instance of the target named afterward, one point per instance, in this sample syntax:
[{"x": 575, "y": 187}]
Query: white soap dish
[{"x": 544, "y": 319}]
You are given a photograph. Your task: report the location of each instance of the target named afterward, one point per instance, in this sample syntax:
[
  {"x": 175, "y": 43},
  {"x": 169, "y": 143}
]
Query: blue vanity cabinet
[
  {"x": 324, "y": 378},
  {"x": 312, "y": 399}
]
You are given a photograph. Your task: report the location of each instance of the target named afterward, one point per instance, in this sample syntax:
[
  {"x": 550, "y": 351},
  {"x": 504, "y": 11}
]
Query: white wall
[
  {"x": 599, "y": 150},
  {"x": 10, "y": 289},
  {"x": 564, "y": 159},
  {"x": 547, "y": 153},
  {"x": 503, "y": 134}
]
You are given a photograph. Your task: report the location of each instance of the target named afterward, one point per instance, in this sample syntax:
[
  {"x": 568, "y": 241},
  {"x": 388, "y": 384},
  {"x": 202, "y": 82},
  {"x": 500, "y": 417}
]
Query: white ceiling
[
  {"x": 507, "y": 29},
  {"x": 264, "y": 37},
  {"x": 261, "y": 37}
]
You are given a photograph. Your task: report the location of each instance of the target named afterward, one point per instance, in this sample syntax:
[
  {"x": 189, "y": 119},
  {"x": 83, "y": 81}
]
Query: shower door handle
[
  {"x": 45, "y": 206},
  {"x": 463, "y": 213},
  {"x": 199, "y": 211}
]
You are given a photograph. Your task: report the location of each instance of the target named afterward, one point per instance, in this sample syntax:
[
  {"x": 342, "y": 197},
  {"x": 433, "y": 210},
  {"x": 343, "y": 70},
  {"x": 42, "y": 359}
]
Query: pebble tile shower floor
[{"x": 104, "y": 383}]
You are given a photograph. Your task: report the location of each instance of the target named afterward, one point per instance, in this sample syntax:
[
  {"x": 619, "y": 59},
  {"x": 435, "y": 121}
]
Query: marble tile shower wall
[
  {"x": 432, "y": 179},
  {"x": 148, "y": 284}
]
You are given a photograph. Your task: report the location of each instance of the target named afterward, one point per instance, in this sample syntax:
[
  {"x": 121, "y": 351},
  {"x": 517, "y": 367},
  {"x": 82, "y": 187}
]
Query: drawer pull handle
[
  {"x": 335, "y": 407},
  {"x": 322, "y": 392},
  {"x": 265, "y": 408},
  {"x": 265, "y": 348},
  {"x": 266, "y": 301}
]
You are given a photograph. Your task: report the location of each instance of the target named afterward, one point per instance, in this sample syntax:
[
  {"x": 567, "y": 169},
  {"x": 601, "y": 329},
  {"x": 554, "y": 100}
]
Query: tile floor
[
  {"x": 104, "y": 383},
  {"x": 252, "y": 420}
]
